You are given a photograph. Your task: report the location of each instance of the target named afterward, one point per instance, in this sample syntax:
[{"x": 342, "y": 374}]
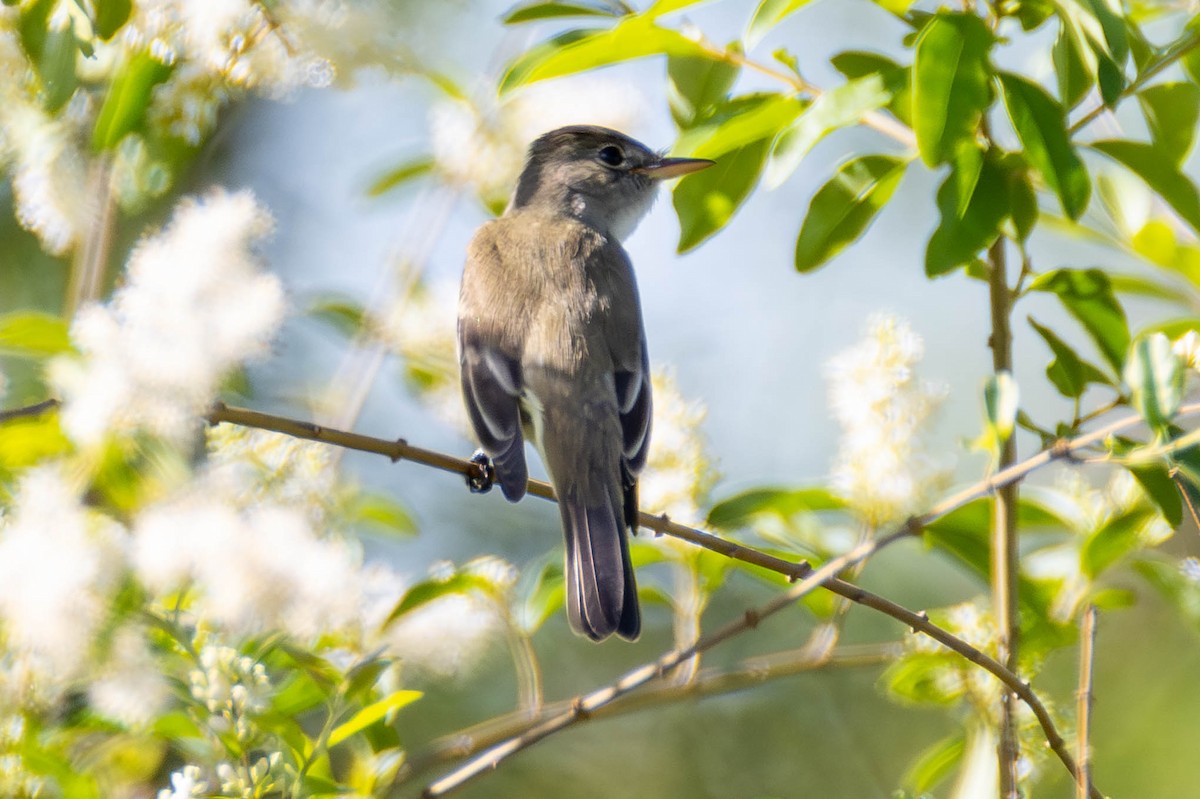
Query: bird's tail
[{"x": 601, "y": 592}]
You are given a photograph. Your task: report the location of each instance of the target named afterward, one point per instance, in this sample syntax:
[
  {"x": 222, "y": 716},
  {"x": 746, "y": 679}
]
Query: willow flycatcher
[{"x": 551, "y": 348}]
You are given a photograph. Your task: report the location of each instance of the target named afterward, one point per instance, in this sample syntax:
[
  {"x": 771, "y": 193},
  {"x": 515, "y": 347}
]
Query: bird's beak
[{"x": 673, "y": 167}]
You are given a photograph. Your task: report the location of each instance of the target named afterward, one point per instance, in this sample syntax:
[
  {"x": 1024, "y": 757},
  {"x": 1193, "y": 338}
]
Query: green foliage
[
  {"x": 951, "y": 84},
  {"x": 124, "y": 108},
  {"x": 1041, "y": 124},
  {"x": 843, "y": 208}
]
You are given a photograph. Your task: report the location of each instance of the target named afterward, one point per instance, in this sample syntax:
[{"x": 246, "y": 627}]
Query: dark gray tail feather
[{"x": 601, "y": 592}]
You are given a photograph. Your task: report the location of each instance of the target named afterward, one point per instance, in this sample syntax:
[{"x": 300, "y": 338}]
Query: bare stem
[
  {"x": 1004, "y": 525},
  {"x": 1083, "y": 708}
]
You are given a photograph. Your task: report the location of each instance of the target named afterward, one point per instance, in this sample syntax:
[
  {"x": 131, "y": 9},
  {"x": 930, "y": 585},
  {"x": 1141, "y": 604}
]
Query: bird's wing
[{"x": 489, "y": 367}]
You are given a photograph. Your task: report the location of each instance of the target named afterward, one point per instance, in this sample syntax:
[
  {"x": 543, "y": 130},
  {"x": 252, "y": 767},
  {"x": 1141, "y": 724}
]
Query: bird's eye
[{"x": 611, "y": 155}]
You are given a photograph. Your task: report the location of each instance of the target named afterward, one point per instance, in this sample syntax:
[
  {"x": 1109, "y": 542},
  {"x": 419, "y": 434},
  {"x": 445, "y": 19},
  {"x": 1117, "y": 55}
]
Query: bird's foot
[{"x": 482, "y": 475}]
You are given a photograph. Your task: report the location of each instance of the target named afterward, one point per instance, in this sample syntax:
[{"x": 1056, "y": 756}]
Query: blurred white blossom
[
  {"x": 59, "y": 566},
  {"x": 234, "y": 689},
  {"x": 132, "y": 689},
  {"x": 42, "y": 152},
  {"x": 483, "y": 148},
  {"x": 252, "y": 569},
  {"x": 679, "y": 472},
  {"x": 882, "y": 467},
  {"x": 1187, "y": 347},
  {"x": 195, "y": 304},
  {"x": 259, "y": 778},
  {"x": 259, "y": 466},
  {"x": 449, "y": 635},
  {"x": 185, "y": 784},
  {"x": 420, "y": 328}
]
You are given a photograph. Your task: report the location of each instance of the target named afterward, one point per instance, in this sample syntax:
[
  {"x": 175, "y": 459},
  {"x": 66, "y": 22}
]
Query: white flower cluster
[
  {"x": 234, "y": 688},
  {"x": 882, "y": 467},
  {"x": 679, "y": 472},
  {"x": 419, "y": 327},
  {"x": 185, "y": 784},
  {"x": 59, "y": 566},
  {"x": 250, "y": 781},
  {"x": 251, "y": 569},
  {"x": 975, "y": 626},
  {"x": 258, "y": 466},
  {"x": 216, "y": 49},
  {"x": 483, "y": 148},
  {"x": 194, "y": 305},
  {"x": 42, "y": 151},
  {"x": 132, "y": 689},
  {"x": 447, "y": 636}
]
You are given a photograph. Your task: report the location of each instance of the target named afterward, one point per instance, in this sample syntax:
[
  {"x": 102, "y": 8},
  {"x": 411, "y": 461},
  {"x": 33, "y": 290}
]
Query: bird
[{"x": 552, "y": 350}]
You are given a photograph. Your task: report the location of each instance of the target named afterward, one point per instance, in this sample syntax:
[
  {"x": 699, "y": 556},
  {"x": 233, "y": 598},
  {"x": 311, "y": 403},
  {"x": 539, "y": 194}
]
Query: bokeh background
[{"x": 744, "y": 335}]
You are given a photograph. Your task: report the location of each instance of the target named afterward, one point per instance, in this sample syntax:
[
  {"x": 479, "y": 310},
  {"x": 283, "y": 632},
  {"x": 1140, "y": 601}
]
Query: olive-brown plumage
[{"x": 551, "y": 349}]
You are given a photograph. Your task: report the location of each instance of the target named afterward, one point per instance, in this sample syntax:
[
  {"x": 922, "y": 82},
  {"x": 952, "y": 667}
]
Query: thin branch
[
  {"x": 1083, "y": 708},
  {"x": 708, "y": 682},
  {"x": 1005, "y": 557},
  {"x": 584, "y": 706},
  {"x": 29, "y": 410},
  {"x": 892, "y": 128},
  {"x": 1172, "y": 55}
]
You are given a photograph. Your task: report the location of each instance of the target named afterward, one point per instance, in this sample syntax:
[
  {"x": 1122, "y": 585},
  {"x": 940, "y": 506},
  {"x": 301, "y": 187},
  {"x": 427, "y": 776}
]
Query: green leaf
[
  {"x": 896, "y": 79},
  {"x": 705, "y": 201},
  {"x": 372, "y": 713},
  {"x": 1172, "y": 111},
  {"x": 951, "y": 83},
  {"x": 425, "y": 592},
  {"x": 696, "y": 86},
  {"x": 111, "y": 16},
  {"x": 1022, "y": 199},
  {"x": 1074, "y": 66},
  {"x": 1155, "y": 376},
  {"x": 128, "y": 97},
  {"x": 918, "y": 679},
  {"x": 33, "y": 334},
  {"x": 1108, "y": 14},
  {"x": 344, "y": 314},
  {"x": 1041, "y": 124},
  {"x": 844, "y": 207},
  {"x": 743, "y": 121},
  {"x": 769, "y": 14},
  {"x": 581, "y": 50},
  {"x": 959, "y": 238},
  {"x": 379, "y": 512},
  {"x": 56, "y": 66},
  {"x": 1069, "y": 373},
  {"x": 1001, "y": 401},
  {"x": 1110, "y": 543},
  {"x": 1155, "y": 480},
  {"x": 400, "y": 174},
  {"x": 546, "y": 596},
  {"x": 29, "y": 440},
  {"x": 1087, "y": 295},
  {"x": 934, "y": 764},
  {"x": 32, "y": 26},
  {"x": 1159, "y": 172},
  {"x": 742, "y": 509},
  {"x": 537, "y": 9},
  {"x": 964, "y": 534},
  {"x": 836, "y": 108}
]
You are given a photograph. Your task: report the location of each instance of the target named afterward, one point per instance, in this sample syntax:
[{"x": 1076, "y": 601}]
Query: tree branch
[
  {"x": 584, "y": 706},
  {"x": 1083, "y": 706},
  {"x": 708, "y": 682},
  {"x": 1005, "y": 557}
]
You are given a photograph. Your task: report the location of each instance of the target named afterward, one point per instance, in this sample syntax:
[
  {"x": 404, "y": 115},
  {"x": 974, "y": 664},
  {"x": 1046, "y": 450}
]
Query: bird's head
[{"x": 597, "y": 175}]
